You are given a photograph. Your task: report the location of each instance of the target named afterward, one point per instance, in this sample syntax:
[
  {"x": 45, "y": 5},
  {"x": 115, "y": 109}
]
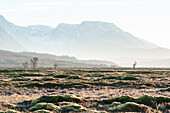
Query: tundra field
[{"x": 45, "y": 90}]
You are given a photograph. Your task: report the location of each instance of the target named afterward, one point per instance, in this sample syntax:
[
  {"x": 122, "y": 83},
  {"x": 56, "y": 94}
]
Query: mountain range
[{"x": 87, "y": 40}]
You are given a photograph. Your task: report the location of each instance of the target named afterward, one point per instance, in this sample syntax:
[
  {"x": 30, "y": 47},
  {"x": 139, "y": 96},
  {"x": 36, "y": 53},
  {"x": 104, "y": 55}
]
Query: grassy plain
[{"x": 46, "y": 90}]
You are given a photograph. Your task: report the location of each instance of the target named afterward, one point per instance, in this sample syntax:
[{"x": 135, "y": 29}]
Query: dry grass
[{"x": 90, "y": 85}]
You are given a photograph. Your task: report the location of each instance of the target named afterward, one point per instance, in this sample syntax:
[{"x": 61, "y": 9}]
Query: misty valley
[{"x": 91, "y": 67}]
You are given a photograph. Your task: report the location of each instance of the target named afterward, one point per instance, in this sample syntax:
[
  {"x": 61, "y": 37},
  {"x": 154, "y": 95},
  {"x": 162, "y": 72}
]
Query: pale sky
[{"x": 146, "y": 19}]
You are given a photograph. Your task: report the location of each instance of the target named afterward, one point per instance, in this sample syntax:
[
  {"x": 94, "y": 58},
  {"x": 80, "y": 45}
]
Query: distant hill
[
  {"x": 9, "y": 43},
  {"x": 87, "y": 40},
  {"x": 68, "y": 58},
  {"x": 12, "y": 59}
]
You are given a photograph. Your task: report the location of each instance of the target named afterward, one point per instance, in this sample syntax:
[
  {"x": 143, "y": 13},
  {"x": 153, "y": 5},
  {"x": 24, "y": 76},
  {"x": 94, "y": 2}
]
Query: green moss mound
[
  {"x": 121, "y": 99},
  {"x": 46, "y": 106},
  {"x": 128, "y": 77},
  {"x": 12, "y": 111},
  {"x": 129, "y": 107},
  {"x": 43, "y": 111},
  {"x": 48, "y": 79},
  {"x": 162, "y": 99},
  {"x": 61, "y": 76},
  {"x": 35, "y": 79},
  {"x": 20, "y": 79},
  {"x": 139, "y": 72},
  {"x": 147, "y": 100},
  {"x": 109, "y": 77},
  {"x": 56, "y": 99},
  {"x": 74, "y": 108},
  {"x": 73, "y": 77},
  {"x": 46, "y": 85},
  {"x": 32, "y": 74},
  {"x": 115, "y": 104}
]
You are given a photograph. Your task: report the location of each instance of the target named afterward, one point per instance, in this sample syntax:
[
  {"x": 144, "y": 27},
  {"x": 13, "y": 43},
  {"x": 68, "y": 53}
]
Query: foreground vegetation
[{"x": 80, "y": 90}]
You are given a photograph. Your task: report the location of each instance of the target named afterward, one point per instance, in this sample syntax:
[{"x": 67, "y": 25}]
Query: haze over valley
[
  {"x": 87, "y": 40},
  {"x": 96, "y": 56}
]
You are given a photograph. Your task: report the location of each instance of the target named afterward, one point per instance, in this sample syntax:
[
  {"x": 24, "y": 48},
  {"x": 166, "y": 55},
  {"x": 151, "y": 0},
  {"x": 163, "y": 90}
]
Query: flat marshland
[{"x": 85, "y": 90}]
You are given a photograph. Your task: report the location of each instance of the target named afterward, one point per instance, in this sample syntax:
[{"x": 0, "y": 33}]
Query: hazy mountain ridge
[
  {"x": 88, "y": 40},
  {"x": 73, "y": 34},
  {"x": 13, "y": 59},
  {"x": 9, "y": 43},
  {"x": 68, "y": 58},
  {"x": 94, "y": 31}
]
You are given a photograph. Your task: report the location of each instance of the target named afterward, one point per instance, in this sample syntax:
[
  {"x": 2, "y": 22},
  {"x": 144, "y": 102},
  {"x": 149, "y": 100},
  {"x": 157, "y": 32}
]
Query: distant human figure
[{"x": 134, "y": 65}]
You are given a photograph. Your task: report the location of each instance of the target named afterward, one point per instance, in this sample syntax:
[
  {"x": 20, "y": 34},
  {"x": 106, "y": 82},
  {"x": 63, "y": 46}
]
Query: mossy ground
[{"x": 103, "y": 90}]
